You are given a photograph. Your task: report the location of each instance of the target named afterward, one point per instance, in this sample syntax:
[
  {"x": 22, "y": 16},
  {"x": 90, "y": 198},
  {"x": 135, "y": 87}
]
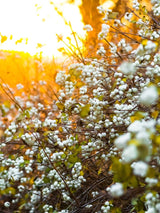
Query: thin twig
[
  {"x": 10, "y": 95},
  {"x": 125, "y": 35},
  {"x": 112, "y": 46}
]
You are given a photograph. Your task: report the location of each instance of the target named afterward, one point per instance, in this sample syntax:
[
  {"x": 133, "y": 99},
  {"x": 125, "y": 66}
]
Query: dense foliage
[{"x": 92, "y": 145}]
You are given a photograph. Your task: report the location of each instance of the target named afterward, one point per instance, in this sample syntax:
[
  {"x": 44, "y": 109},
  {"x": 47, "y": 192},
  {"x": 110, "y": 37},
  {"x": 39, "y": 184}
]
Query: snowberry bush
[{"x": 95, "y": 146}]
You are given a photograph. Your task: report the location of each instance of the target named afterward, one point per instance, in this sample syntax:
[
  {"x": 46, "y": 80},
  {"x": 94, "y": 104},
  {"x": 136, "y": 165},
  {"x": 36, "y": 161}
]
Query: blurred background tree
[{"x": 91, "y": 16}]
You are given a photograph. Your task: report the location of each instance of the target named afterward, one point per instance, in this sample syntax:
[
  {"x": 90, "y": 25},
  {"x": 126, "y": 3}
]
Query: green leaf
[
  {"x": 26, "y": 113},
  {"x": 122, "y": 172},
  {"x": 116, "y": 210},
  {"x": 138, "y": 205},
  {"x": 73, "y": 159},
  {"x": 46, "y": 180},
  {"x": 63, "y": 156}
]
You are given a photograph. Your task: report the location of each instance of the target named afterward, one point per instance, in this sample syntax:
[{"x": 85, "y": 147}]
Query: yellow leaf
[
  {"x": 3, "y": 39},
  {"x": 79, "y": 84},
  {"x": 134, "y": 142},
  {"x": 157, "y": 140},
  {"x": 1, "y": 133},
  {"x": 99, "y": 171},
  {"x": 155, "y": 114},
  {"x": 81, "y": 173},
  {"x": 60, "y": 129},
  {"x": 137, "y": 116},
  {"x": 60, "y": 106},
  {"x": 2, "y": 169},
  {"x": 144, "y": 42},
  {"x": 39, "y": 45},
  {"x": 85, "y": 110},
  {"x": 10, "y": 190},
  {"x": 113, "y": 15},
  {"x": 19, "y": 41}
]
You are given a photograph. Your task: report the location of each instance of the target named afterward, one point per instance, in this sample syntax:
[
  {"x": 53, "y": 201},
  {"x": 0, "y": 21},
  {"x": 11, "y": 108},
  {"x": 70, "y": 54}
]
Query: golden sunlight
[
  {"x": 31, "y": 25},
  {"x": 108, "y": 4}
]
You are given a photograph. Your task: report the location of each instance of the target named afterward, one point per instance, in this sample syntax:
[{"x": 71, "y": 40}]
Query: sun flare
[{"x": 31, "y": 25}]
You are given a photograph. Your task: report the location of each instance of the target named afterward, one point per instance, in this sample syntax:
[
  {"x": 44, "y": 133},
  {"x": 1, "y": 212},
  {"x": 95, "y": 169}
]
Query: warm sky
[
  {"x": 22, "y": 19},
  {"x": 38, "y": 22}
]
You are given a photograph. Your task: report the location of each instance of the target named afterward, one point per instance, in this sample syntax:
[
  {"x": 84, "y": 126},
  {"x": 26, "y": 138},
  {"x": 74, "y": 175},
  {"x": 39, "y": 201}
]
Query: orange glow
[
  {"x": 31, "y": 25},
  {"x": 108, "y": 4}
]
